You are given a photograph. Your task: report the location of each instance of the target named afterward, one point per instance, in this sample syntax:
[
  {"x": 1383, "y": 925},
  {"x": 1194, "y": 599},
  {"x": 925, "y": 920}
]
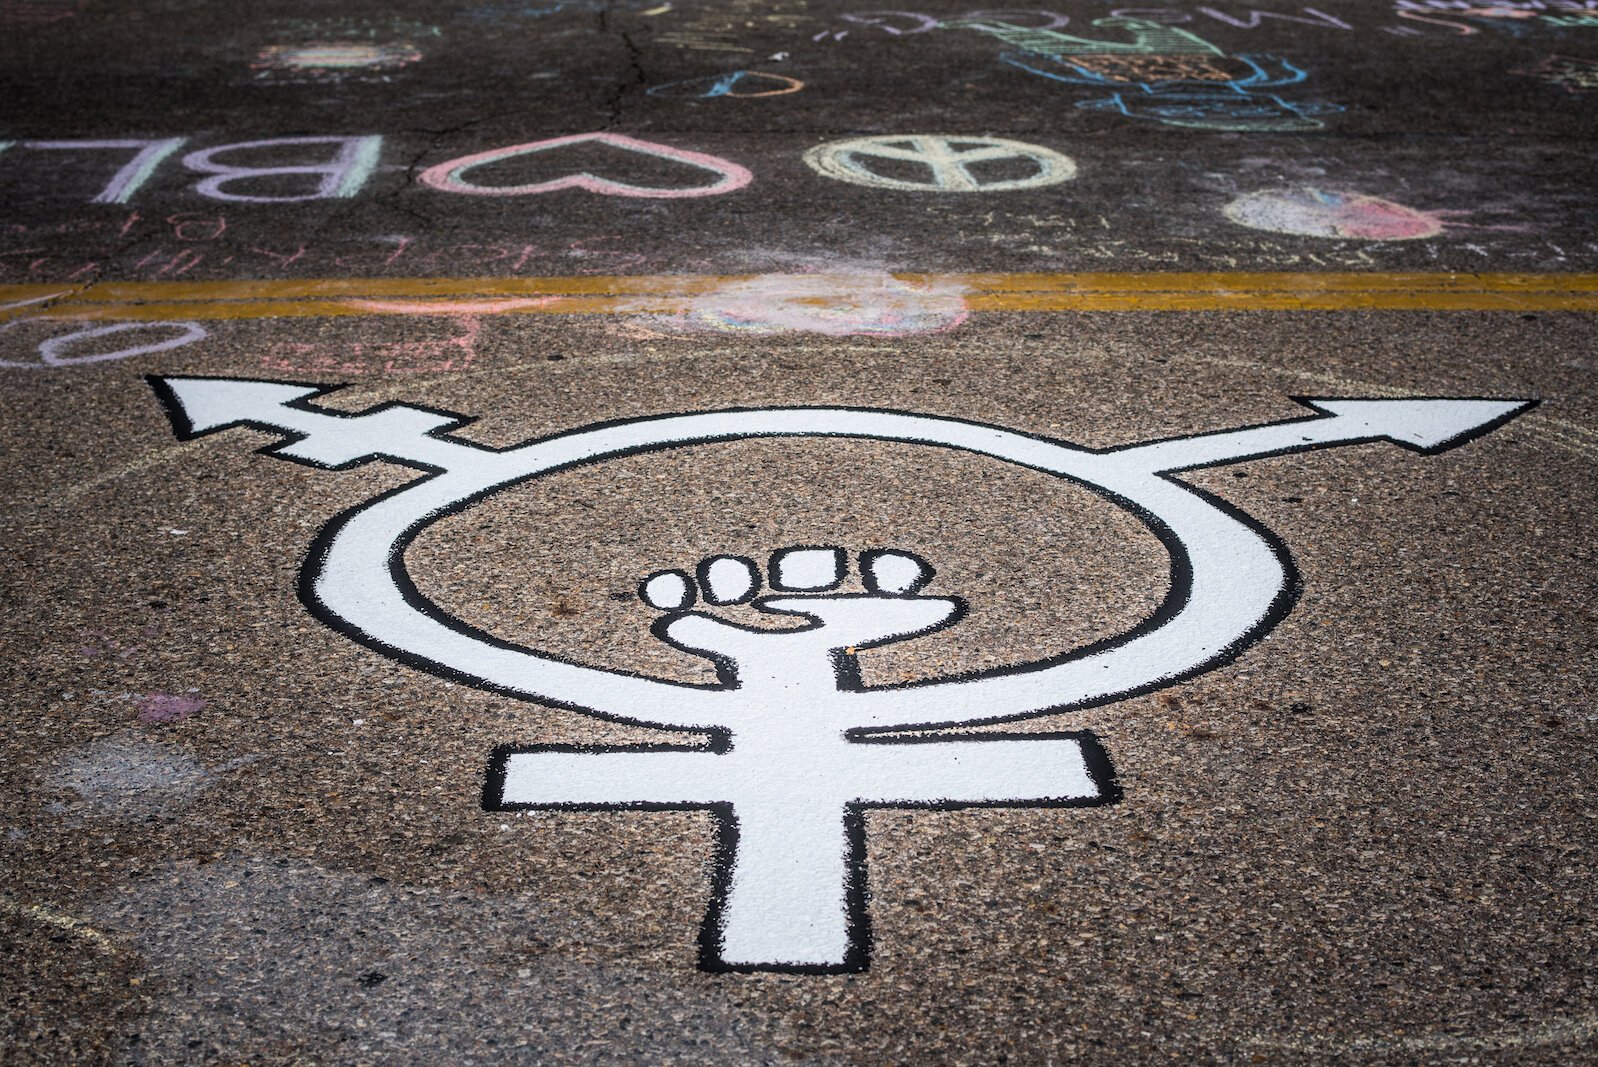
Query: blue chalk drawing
[{"x": 1163, "y": 74}]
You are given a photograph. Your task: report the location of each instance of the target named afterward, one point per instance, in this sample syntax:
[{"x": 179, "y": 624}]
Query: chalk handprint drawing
[{"x": 797, "y": 746}]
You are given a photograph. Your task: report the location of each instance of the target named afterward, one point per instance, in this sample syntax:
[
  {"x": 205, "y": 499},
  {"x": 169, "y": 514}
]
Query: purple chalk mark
[
  {"x": 134, "y": 174},
  {"x": 165, "y": 707}
]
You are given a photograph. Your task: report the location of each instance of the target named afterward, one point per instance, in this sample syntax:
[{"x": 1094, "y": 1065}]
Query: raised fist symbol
[{"x": 824, "y": 623}]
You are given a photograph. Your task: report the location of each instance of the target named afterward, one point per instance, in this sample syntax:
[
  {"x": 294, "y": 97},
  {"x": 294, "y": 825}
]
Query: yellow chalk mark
[
  {"x": 60, "y": 921},
  {"x": 153, "y": 458},
  {"x": 669, "y": 293}
]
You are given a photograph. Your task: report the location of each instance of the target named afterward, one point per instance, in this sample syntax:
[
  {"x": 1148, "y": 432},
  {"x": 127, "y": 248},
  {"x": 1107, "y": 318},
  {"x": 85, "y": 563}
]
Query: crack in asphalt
[{"x": 616, "y": 97}]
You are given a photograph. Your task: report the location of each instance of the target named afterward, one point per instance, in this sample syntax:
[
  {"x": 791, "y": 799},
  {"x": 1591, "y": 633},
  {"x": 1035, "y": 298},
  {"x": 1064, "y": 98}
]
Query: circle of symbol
[
  {"x": 1219, "y": 599},
  {"x": 948, "y": 158}
]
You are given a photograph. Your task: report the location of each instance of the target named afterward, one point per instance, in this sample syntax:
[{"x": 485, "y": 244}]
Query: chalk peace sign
[{"x": 950, "y": 164}]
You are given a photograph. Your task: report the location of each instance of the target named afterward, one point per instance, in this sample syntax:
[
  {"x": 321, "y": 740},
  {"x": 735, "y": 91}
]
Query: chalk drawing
[
  {"x": 909, "y": 23},
  {"x": 38, "y": 12},
  {"x": 1315, "y": 212},
  {"x": 75, "y": 927},
  {"x": 725, "y": 26},
  {"x": 1516, "y": 18},
  {"x": 740, "y": 84},
  {"x": 448, "y": 177},
  {"x": 29, "y": 302},
  {"x": 134, "y": 173},
  {"x": 331, "y": 60},
  {"x": 796, "y": 747},
  {"x": 1253, "y": 19},
  {"x": 834, "y": 305},
  {"x": 945, "y": 164},
  {"x": 254, "y": 950},
  {"x": 342, "y": 176},
  {"x": 436, "y": 356},
  {"x": 1163, "y": 74},
  {"x": 338, "y": 50},
  {"x": 1147, "y": 38},
  {"x": 130, "y": 775},
  {"x": 52, "y": 351},
  {"x": 893, "y": 23},
  {"x": 501, "y": 11},
  {"x": 197, "y": 226},
  {"x": 1574, "y": 74},
  {"x": 158, "y": 708},
  {"x": 97, "y": 644}
]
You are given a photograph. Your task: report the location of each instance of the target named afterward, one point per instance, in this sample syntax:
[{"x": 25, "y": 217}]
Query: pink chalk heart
[{"x": 730, "y": 176}]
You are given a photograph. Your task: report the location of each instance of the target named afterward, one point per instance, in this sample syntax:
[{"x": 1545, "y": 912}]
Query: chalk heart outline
[{"x": 447, "y": 176}]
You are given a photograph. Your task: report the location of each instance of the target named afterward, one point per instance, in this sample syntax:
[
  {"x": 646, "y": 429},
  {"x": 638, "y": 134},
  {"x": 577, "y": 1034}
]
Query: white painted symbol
[
  {"x": 925, "y": 163},
  {"x": 798, "y": 746}
]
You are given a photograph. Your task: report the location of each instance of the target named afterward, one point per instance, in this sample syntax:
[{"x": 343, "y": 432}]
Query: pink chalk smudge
[
  {"x": 1309, "y": 211},
  {"x": 437, "y": 356},
  {"x": 155, "y": 708},
  {"x": 38, "y": 12},
  {"x": 835, "y": 305}
]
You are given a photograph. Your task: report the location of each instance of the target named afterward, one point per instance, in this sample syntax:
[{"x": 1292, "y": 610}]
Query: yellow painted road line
[{"x": 668, "y": 293}]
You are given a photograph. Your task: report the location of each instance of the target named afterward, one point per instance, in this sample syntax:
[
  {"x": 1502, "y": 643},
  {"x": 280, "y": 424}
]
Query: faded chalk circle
[
  {"x": 332, "y": 56},
  {"x": 52, "y": 350},
  {"x": 1308, "y": 211}
]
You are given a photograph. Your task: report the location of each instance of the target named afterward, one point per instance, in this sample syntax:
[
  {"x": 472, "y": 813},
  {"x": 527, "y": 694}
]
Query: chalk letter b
[{"x": 341, "y": 176}]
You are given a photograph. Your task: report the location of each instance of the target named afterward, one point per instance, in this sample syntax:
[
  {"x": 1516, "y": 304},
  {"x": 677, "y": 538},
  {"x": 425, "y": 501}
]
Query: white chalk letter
[
  {"x": 342, "y": 176},
  {"x": 134, "y": 174}
]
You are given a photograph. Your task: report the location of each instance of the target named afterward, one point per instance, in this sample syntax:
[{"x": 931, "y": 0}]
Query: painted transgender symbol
[
  {"x": 925, "y": 163},
  {"x": 797, "y": 746}
]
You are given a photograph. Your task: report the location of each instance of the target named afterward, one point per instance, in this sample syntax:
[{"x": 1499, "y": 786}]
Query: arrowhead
[
  {"x": 1426, "y": 425},
  {"x": 198, "y": 406}
]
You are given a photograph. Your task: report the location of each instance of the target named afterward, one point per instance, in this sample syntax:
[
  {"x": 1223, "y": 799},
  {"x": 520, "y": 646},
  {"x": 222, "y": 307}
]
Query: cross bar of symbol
[{"x": 791, "y": 892}]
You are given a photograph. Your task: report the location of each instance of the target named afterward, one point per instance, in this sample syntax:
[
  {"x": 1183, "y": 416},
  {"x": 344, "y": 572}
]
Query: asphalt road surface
[{"x": 548, "y": 531}]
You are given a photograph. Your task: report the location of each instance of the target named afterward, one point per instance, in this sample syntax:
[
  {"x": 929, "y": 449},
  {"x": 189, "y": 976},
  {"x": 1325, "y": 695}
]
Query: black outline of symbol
[
  {"x": 708, "y": 593},
  {"x": 840, "y": 568}
]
